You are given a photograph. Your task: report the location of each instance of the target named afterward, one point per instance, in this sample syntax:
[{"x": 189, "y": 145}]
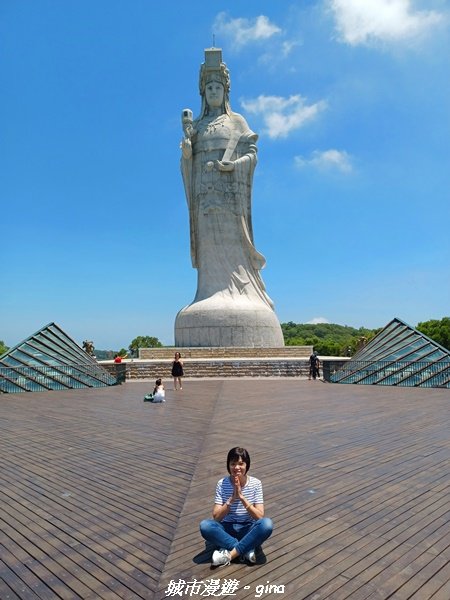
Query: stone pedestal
[{"x": 241, "y": 324}]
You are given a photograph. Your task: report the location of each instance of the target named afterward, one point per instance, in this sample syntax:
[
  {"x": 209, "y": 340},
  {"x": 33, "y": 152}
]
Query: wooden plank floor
[{"x": 101, "y": 494}]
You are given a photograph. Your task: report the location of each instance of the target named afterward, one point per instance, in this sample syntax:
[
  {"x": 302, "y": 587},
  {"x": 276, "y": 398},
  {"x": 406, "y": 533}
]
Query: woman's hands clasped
[{"x": 237, "y": 490}]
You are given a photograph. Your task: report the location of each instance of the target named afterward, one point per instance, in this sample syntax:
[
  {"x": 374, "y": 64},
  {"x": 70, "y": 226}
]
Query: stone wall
[{"x": 152, "y": 369}]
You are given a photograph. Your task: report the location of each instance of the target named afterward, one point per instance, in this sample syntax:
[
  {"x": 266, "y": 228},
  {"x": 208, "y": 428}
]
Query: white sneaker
[
  {"x": 221, "y": 558},
  {"x": 250, "y": 556}
]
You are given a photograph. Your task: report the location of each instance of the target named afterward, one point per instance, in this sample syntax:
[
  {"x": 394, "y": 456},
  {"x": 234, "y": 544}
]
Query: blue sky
[{"x": 351, "y": 101}]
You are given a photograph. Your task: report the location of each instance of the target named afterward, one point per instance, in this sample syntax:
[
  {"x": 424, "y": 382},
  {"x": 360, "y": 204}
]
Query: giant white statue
[{"x": 231, "y": 306}]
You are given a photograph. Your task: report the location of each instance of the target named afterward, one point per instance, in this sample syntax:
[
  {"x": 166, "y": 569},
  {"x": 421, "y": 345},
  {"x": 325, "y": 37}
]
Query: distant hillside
[{"x": 328, "y": 339}]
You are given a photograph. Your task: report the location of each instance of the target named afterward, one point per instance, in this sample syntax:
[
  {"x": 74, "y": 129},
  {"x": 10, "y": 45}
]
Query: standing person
[
  {"x": 238, "y": 525},
  {"x": 317, "y": 367},
  {"x": 177, "y": 370},
  {"x": 314, "y": 364}
]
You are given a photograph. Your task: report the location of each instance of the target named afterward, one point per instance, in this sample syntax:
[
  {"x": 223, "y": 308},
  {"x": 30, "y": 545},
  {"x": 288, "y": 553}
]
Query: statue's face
[{"x": 214, "y": 92}]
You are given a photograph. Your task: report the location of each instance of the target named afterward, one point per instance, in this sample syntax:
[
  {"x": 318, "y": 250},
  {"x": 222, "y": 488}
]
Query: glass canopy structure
[
  {"x": 398, "y": 355},
  {"x": 50, "y": 360}
]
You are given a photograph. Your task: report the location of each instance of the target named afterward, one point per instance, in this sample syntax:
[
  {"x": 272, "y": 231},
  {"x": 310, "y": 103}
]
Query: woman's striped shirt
[{"x": 237, "y": 513}]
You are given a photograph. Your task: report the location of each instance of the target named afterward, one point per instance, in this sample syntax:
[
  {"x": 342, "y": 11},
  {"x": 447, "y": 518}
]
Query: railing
[
  {"x": 331, "y": 366},
  {"x": 397, "y": 373},
  {"x": 39, "y": 378}
]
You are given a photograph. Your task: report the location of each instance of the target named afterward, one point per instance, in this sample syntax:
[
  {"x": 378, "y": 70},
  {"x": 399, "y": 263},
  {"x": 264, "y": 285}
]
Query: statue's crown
[{"x": 213, "y": 69}]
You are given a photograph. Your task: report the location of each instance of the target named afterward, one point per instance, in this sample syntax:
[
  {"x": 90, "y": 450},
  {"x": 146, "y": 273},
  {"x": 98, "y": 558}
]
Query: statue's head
[
  {"x": 214, "y": 94},
  {"x": 214, "y": 71}
]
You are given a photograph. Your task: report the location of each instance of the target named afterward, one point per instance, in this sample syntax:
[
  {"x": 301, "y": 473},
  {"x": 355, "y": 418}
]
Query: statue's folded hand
[{"x": 225, "y": 165}]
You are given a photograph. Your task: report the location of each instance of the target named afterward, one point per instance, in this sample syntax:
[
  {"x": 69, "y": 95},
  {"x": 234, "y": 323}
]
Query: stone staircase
[{"x": 226, "y": 353}]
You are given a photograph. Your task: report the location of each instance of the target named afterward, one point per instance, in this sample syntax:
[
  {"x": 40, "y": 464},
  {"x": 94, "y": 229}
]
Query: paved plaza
[{"x": 101, "y": 494}]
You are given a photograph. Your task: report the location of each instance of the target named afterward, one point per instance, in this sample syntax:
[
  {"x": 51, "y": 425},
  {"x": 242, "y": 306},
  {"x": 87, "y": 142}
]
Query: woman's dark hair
[
  {"x": 158, "y": 382},
  {"x": 235, "y": 454}
]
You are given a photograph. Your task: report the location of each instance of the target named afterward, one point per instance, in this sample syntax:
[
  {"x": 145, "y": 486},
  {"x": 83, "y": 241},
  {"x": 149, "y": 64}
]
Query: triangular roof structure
[
  {"x": 398, "y": 355},
  {"x": 50, "y": 360}
]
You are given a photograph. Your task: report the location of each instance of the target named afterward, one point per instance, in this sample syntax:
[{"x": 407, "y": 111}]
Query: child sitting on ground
[{"x": 159, "y": 393}]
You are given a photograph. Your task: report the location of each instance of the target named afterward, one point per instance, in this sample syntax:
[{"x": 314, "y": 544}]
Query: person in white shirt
[{"x": 159, "y": 393}]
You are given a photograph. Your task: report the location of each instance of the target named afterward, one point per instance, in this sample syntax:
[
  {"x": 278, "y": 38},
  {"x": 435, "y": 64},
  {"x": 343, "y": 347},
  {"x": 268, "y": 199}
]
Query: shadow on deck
[{"x": 101, "y": 493}]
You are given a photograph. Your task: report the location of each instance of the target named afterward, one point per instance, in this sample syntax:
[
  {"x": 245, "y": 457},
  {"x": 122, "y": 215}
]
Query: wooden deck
[{"x": 101, "y": 494}]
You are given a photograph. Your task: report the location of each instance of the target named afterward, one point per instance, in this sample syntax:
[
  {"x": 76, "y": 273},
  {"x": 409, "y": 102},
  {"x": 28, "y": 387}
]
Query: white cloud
[
  {"x": 277, "y": 54},
  {"x": 368, "y": 21},
  {"x": 329, "y": 159},
  {"x": 287, "y": 47},
  {"x": 317, "y": 320},
  {"x": 243, "y": 31},
  {"x": 283, "y": 115}
]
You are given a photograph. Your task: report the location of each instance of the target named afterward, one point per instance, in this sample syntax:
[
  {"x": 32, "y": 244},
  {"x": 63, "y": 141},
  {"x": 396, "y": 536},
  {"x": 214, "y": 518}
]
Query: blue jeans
[{"x": 242, "y": 536}]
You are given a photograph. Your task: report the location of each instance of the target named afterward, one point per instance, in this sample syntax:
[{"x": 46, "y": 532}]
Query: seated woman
[
  {"x": 159, "y": 393},
  {"x": 238, "y": 525}
]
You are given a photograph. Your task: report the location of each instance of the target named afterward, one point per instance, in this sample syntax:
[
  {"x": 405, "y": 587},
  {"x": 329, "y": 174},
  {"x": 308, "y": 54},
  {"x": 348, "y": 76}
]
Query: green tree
[
  {"x": 437, "y": 330},
  {"x": 144, "y": 341},
  {"x": 3, "y": 347},
  {"x": 328, "y": 339}
]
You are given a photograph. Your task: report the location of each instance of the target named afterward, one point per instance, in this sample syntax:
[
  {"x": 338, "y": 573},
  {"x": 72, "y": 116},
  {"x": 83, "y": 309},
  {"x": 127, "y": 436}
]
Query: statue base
[{"x": 202, "y": 324}]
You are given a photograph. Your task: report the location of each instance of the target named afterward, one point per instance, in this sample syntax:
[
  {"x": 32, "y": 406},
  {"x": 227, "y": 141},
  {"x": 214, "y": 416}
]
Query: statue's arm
[
  {"x": 186, "y": 148},
  {"x": 186, "y": 171},
  {"x": 243, "y": 136},
  {"x": 188, "y": 132}
]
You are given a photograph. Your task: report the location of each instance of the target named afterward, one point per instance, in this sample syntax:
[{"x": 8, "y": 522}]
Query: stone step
[{"x": 230, "y": 352}]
